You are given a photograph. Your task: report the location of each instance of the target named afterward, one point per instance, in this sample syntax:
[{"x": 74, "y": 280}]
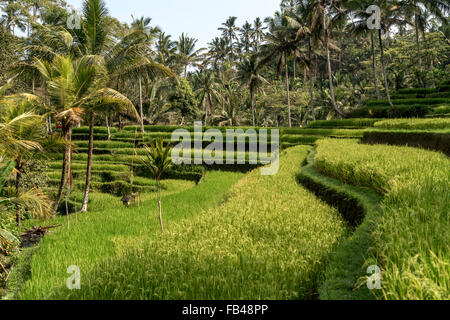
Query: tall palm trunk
[
  {"x": 330, "y": 74},
  {"x": 62, "y": 183},
  {"x": 295, "y": 69},
  {"x": 419, "y": 53},
  {"x": 374, "y": 66},
  {"x": 252, "y": 103},
  {"x": 108, "y": 127},
  {"x": 311, "y": 83},
  {"x": 17, "y": 189},
  {"x": 87, "y": 188},
  {"x": 386, "y": 83},
  {"x": 160, "y": 206},
  {"x": 287, "y": 89},
  {"x": 141, "y": 106}
]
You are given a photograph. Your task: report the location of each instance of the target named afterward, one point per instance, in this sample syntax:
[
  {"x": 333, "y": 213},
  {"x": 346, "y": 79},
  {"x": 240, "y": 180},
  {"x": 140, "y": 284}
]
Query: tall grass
[
  {"x": 270, "y": 240},
  {"x": 412, "y": 235}
]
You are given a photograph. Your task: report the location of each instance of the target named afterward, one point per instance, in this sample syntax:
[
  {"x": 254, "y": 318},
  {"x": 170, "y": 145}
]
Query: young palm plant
[{"x": 158, "y": 161}]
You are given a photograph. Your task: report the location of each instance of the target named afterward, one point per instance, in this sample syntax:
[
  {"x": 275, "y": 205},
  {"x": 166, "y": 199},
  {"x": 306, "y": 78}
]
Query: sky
[{"x": 198, "y": 18}]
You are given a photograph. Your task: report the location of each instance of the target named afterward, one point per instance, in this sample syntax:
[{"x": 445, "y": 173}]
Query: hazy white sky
[{"x": 198, "y": 18}]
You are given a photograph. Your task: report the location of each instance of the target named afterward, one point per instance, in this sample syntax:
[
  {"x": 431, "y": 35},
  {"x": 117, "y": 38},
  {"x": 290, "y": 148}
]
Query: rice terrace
[{"x": 299, "y": 155}]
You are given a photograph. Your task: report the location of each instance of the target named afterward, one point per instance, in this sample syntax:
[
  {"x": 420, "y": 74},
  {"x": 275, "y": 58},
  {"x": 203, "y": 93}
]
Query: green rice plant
[
  {"x": 414, "y": 124},
  {"x": 416, "y": 91},
  {"x": 345, "y": 123},
  {"x": 104, "y": 144},
  {"x": 424, "y": 101},
  {"x": 411, "y": 236},
  {"x": 386, "y": 112},
  {"x": 299, "y": 139},
  {"x": 96, "y": 166},
  {"x": 97, "y": 130},
  {"x": 442, "y": 110},
  {"x": 95, "y": 237},
  {"x": 270, "y": 240}
]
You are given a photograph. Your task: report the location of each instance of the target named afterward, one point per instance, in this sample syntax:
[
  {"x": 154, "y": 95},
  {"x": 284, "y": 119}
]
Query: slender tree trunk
[
  {"x": 108, "y": 128},
  {"x": 330, "y": 74},
  {"x": 316, "y": 68},
  {"x": 50, "y": 124},
  {"x": 63, "y": 172},
  {"x": 141, "y": 107},
  {"x": 252, "y": 103},
  {"x": 311, "y": 81},
  {"x": 374, "y": 66},
  {"x": 17, "y": 189},
  {"x": 287, "y": 90},
  {"x": 386, "y": 83},
  {"x": 160, "y": 206},
  {"x": 295, "y": 69},
  {"x": 87, "y": 188},
  {"x": 419, "y": 53}
]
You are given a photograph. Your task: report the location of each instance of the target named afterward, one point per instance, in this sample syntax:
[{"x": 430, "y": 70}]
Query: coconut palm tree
[
  {"x": 321, "y": 27},
  {"x": 23, "y": 138},
  {"x": 218, "y": 51},
  {"x": 166, "y": 49},
  {"x": 415, "y": 10},
  {"x": 229, "y": 31},
  {"x": 358, "y": 27},
  {"x": 249, "y": 74},
  {"x": 258, "y": 33},
  {"x": 299, "y": 19},
  {"x": 208, "y": 91},
  {"x": 187, "y": 54},
  {"x": 246, "y": 37},
  {"x": 158, "y": 161},
  {"x": 280, "y": 44}
]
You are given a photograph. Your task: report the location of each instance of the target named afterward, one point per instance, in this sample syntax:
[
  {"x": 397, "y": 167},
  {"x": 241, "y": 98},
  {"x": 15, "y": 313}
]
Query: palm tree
[
  {"x": 208, "y": 91},
  {"x": 23, "y": 138},
  {"x": 321, "y": 28},
  {"x": 218, "y": 51},
  {"x": 107, "y": 100},
  {"x": 389, "y": 17},
  {"x": 15, "y": 14},
  {"x": 415, "y": 10},
  {"x": 249, "y": 75},
  {"x": 280, "y": 43},
  {"x": 165, "y": 48},
  {"x": 158, "y": 161},
  {"x": 246, "y": 35},
  {"x": 299, "y": 19},
  {"x": 358, "y": 27},
  {"x": 187, "y": 54},
  {"x": 258, "y": 33},
  {"x": 229, "y": 30},
  {"x": 73, "y": 86}
]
